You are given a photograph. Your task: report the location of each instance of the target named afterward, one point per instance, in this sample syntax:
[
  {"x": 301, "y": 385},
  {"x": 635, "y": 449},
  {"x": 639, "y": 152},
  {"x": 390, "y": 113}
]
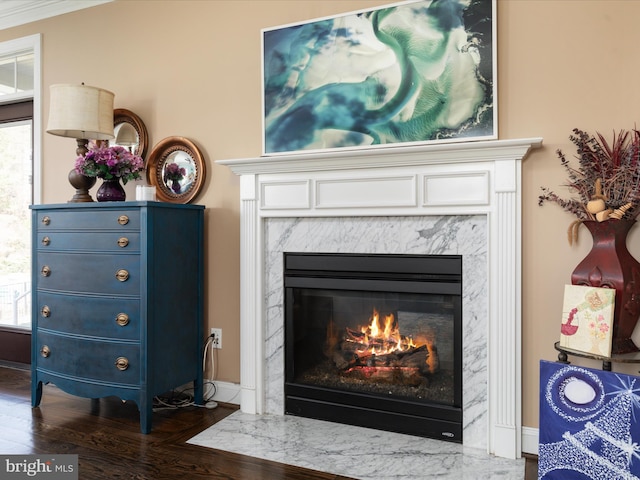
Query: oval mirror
[
  {"x": 177, "y": 169},
  {"x": 130, "y": 132}
]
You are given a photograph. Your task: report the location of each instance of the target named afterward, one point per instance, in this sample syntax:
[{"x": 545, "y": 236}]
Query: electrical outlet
[{"x": 217, "y": 337}]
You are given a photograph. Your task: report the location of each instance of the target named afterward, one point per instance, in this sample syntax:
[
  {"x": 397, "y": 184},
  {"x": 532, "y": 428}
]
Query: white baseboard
[
  {"x": 225, "y": 392},
  {"x": 530, "y": 440}
]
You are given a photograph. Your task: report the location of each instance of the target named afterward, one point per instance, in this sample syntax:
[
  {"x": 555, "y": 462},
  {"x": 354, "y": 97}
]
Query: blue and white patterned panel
[{"x": 588, "y": 424}]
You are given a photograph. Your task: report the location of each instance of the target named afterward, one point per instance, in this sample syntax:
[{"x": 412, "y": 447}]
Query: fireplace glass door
[{"x": 375, "y": 340}]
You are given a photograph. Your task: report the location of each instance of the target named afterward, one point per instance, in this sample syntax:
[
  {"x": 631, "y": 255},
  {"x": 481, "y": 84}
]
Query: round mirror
[
  {"x": 177, "y": 170},
  {"x": 130, "y": 132}
]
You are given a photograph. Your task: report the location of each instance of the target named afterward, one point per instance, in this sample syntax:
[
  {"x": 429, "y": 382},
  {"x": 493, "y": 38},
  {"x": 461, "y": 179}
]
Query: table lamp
[
  {"x": 127, "y": 137},
  {"x": 81, "y": 112}
]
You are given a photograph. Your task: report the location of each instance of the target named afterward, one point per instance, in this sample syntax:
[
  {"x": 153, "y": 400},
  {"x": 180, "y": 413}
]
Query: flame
[
  {"x": 382, "y": 337},
  {"x": 432, "y": 358},
  {"x": 385, "y": 339}
]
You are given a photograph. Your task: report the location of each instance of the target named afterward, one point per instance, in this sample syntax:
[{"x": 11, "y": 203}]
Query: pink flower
[
  {"x": 173, "y": 171},
  {"x": 109, "y": 163}
]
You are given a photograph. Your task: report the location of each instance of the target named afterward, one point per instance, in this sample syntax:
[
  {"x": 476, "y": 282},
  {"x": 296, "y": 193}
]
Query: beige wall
[{"x": 192, "y": 68}]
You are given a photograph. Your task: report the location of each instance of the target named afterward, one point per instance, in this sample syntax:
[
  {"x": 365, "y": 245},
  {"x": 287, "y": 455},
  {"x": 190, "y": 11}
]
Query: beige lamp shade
[{"x": 81, "y": 111}]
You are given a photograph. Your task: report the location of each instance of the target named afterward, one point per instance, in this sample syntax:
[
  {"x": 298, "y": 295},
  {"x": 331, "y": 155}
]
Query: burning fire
[
  {"x": 384, "y": 340},
  {"x": 378, "y": 350}
]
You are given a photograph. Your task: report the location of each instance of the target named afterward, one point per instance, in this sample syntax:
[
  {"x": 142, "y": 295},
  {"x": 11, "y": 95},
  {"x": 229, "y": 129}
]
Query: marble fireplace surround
[{"x": 462, "y": 198}]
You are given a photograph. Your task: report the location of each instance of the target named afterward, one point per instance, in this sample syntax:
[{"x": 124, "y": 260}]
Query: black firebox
[{"x": 375, "y": 341}]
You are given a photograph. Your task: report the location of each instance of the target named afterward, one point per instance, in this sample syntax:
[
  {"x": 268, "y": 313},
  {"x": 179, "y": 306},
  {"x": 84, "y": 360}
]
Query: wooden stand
[{"x": 633, "y": 357}]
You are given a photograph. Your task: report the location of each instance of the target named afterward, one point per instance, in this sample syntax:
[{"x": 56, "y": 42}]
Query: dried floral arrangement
[{"x": 607, "y": 179}]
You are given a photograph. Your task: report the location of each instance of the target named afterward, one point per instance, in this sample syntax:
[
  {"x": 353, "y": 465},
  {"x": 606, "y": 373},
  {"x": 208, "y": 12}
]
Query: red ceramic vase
[{"x": 609, "y": 264}]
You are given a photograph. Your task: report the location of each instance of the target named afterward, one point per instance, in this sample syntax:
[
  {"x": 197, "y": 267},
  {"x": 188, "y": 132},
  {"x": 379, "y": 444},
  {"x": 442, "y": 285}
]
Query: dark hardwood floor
[{"x": 106, "y": 436}]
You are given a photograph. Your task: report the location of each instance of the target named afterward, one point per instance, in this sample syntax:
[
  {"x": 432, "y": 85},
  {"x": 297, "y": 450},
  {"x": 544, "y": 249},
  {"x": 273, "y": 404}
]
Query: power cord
[
  {"x": 208, "y": 347},
  {"x": 178, "y": 399}
]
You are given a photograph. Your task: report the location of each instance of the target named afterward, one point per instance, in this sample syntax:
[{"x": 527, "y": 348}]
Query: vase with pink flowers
[
  {"x": 174, "y": 173},
  {"x": 112, "y": 165}
]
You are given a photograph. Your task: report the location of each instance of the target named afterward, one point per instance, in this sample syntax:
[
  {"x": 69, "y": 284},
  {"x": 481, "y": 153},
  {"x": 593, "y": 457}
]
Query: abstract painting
[
  {"x": 415, "y": 72},
  {"x": 587, "y": 319},
  {"x": 588, "y": 424}
]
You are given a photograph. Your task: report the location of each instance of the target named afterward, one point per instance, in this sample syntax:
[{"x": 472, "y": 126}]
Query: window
[
  {"x": 20, "y": 146},
  {"x": 16, "y": 73},
  {"x": 15, "y": 221}
]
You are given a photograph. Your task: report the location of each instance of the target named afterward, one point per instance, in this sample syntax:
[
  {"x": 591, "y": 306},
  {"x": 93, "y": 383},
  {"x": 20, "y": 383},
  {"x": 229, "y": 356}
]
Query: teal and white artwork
[{"x": 415, "y": 72}]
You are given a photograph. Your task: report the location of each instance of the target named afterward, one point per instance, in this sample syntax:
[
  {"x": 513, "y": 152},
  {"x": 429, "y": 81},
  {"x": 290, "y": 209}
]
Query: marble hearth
[{"x": 447, "y": 198}]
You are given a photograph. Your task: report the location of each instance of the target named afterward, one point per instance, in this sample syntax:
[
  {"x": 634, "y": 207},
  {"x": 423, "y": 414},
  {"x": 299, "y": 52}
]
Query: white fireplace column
[{"x": 473, "y": 178}]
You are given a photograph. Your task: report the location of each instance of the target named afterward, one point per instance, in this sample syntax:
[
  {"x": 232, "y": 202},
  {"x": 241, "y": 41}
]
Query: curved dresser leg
[
  {"x": 146, "y": 412},
  {"x": 36, "y": 393},
  {"x": 198, "y": 393}
]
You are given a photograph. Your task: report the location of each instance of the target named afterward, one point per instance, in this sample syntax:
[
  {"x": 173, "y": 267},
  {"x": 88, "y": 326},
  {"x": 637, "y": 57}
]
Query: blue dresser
[{"x": 117, "y": 300}]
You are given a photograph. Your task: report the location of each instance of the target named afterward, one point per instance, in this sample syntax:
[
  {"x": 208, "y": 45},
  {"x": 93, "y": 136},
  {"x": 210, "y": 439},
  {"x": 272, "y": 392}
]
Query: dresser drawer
[
  {"x": 106, "y": 274},
  {"x": 86, "y": 358},
  {"x": 120, "y": 219},
  {"x": 125, "y": 241},
  {"x": 117, "y": 318}
]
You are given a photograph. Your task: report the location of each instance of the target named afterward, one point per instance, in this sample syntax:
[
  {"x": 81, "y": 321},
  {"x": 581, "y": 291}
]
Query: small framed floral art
[{"x": 587, "y": 319}]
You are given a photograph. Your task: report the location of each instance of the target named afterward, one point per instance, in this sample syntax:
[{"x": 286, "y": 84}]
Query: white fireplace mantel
[{"x": 472, "y": 178}]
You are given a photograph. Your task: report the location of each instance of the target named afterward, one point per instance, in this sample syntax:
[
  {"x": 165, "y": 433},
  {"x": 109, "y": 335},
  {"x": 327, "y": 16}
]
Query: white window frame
[{"x": 31, "y": 43}]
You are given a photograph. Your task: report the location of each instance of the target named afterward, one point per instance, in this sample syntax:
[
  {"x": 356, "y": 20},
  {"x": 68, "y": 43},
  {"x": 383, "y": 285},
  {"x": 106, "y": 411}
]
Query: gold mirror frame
[
  {"x": 186, "y": 155},
  {"x": 126, "y": 122}
]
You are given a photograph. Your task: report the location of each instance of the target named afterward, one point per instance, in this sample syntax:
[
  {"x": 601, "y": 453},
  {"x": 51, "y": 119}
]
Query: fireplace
[
  {"x": 375, "y": 341},
  {"x": 424, "y": 196}
]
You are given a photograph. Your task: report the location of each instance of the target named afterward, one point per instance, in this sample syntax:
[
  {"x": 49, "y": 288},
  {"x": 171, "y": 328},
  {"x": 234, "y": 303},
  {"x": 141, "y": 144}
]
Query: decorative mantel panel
[{"x": 475, "y": 178}]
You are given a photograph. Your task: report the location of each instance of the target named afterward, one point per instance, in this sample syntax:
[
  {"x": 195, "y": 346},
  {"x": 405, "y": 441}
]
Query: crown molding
[{"x": 19, "y": 12}]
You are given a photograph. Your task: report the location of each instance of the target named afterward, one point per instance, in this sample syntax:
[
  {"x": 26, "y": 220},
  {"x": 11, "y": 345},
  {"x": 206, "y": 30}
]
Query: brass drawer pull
[
  {"x": 122, "y": 275},
  {"x": 45, "y": 351},
  {"x": 123, "y": 219},
  {"x": 122, "y": 319},
  {"x": 45, "y": 311},
  {"x": 46, "y": 220},
  {"x": 46, "y": 271},
  {"x": 122, "y": 363},
  {"x": 46, "y": 241},
  {"x": 123, "y": 242}
]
